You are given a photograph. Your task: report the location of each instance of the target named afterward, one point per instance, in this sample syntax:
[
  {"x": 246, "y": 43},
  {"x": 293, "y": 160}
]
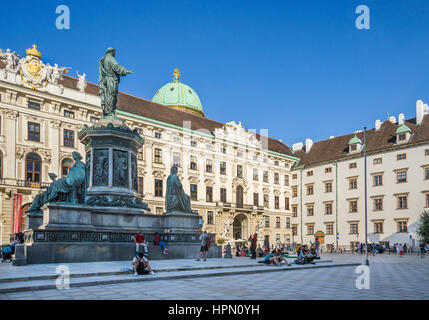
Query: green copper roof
[
  {"x": 179, "y": 96},
  {"x": 402, "y": 129},
  {"x": 354, "y": 140}
]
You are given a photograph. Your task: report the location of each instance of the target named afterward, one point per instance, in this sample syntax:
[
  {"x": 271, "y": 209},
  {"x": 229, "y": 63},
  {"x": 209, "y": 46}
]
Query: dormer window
[
  {"x": 355, "y": 144},
  {"x": 403, "y": 134}
]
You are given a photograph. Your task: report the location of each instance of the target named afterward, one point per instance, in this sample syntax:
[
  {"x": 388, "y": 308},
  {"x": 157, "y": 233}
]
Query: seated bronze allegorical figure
[
  {"x": 176, "y": 199},
  {"x": 71, "y": 189}
]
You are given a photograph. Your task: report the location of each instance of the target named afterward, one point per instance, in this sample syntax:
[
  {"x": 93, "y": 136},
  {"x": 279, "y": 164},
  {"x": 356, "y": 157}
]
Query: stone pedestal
[
  {"x": 228, "y": 254},
  {"x": 19, "y": 258}
]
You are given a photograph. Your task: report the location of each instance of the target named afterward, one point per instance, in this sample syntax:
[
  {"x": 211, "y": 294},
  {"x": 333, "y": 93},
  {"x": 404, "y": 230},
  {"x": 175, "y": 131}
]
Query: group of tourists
[{"x": 140, "y": 263}]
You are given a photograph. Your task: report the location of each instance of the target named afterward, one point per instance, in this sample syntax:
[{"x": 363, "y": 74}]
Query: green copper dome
[
  {"x": 179, "y": 96},
  {"x": 354, "y": 140}
]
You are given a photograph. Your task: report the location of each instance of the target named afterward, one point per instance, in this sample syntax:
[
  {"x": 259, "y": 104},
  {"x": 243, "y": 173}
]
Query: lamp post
[{"x": 366, "y": 198}]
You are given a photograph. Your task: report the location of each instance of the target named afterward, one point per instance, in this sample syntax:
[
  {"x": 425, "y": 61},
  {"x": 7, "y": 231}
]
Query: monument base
[{"x": 79, "y": 233}]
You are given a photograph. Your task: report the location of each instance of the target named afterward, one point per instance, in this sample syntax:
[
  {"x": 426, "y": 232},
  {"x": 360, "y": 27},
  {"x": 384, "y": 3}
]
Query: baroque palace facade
[{"x": 238, "y": 181}]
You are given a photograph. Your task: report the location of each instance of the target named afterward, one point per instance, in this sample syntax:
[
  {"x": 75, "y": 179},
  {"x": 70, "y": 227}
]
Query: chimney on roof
[
  {"x": 297, "y": 146},
  {"x": 420, "y": 109},
  {"x": 392, "y": 119},
  {"x": 401, "y": 118},
  {"x": 377, "y": 125},
  {"x": 308, "y": 145}
]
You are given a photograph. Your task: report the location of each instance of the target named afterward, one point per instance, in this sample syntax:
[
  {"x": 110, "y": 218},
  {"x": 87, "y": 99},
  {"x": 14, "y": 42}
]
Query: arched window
[
  {"x": 33, "y": 165},
  {"x": 66, "y": 165},
  {"x": 239, "y": 197}
]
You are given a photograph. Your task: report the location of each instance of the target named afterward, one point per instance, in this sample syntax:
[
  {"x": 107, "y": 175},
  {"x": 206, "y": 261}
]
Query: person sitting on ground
[
  {"x": 141, "y": 265},
  {"x": 157, "y": 242}
]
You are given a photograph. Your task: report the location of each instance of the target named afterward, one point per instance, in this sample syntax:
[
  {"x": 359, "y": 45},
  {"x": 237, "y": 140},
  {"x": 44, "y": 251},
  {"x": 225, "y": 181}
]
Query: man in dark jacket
[{"x": 253, "y": 246}]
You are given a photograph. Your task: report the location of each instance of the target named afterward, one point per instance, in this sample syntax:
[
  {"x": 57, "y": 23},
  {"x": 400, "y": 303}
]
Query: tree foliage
[{"x": 423, "y": 228}]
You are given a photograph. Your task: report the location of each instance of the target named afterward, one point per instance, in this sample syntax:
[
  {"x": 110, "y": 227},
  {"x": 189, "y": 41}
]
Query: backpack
[
  {"x": 141, "y": 269},
  {"x": 208, "y": 242}
]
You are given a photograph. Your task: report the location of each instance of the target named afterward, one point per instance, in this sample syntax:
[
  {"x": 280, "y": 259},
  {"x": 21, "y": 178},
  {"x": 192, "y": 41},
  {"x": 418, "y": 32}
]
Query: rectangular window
[
  {"x": 378, "y": 227},
  {"x": 276, "y": 202},
  {"x": 265, "y": 177},
  {"x": 287, "y": 223},
  {"x": 223, "y": 167},
  {"x": 330, "y": 229},
  {"x": 287, "y": 203},
  {"x": 255, "y": 157},
  {"x": 294, "y": 230},
  {"x": 377, "y": 161},
  {"x": 310, "y": 210},
  {"x": 210, "y": 217},
  {"x": 176, "y": 159},
  {"x": 402, "y": 226},
  {"x": 328, "y": 170},
  {"x": 294, "y": 192},
  {"x": 140, "y": 185},
  {"x": 176, "y": 139},
  {"x": 266, "y": 201},
  {"x": 310, "y": 230},
  {"x": 294, "y": 211},
  {"x": 33, "y": 131},
  {"x": 427, "y": 200},
  {"x": 294, "y": 176},
  {"x": 276, "y": 178},
  {"x": 157, "y": 135},
  {"x": 328, "y": 208},
  {"x": 277, "y": 222},
  {"x": 267, "y": 221},
  {"x": 209, "y": 194},
  {"x": 427, "y": 152},
  {"x": 239, "y": 171},
  {"x": 286, "y": 180},
  {"x": 352, "y": 184},
  {"x": 328, "y": 186},
  {"x": 159, "y": 210},
  {"x": 158, "y": 188},
  {"x": 402, "y": 202},
  {"x": 33, "y": 105},
  {"x": 354, "y": 228},
  {"x": 68, "y": 138},
  {"x": 209, "y": 165},
  {"x": 310, "y": 190},
  {"x": 426, "y": 173},
  {"x": 222, "y": 195},
  {"x": 378, "y": 180},
  {"x": 193, "y": 163},
  {"x": 223, "y": 149},
  {"x": 309, "y": 173},
  {"x": 194, "y": 193},
  {"x": 239, "y": 154},
  {"x": 256, "y": 199},
  {"x": 378, "y": 204},
  {"x": 401, "y": 156},
  {"x": 402, "y": 137},
  {"x": 158, "y": 156},
  {"x": 69, "y": 114},
  {"x": 208, "y": 147},
  {"x": 352, "y": 165},
  {"x": 401, "y": 176},
  {"x": 353, "y": 206},
  {"x": 255, "y": 174},
  {"x": 193, "y": 143}
]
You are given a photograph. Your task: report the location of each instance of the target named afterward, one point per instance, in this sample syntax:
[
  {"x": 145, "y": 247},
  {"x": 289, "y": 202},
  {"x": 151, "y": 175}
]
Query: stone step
[
  {"x": 32, "y": 285},
  {"x": 111, "y": 273}
]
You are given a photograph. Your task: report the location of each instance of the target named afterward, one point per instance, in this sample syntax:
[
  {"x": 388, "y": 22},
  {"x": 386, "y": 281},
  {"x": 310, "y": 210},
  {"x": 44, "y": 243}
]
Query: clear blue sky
[{"x": 299, "y": 68}]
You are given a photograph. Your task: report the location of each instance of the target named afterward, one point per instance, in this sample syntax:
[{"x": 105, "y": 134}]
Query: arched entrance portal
[
  {"x": 239, "y": 227},
  {"x": 320, "y": 236}
]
